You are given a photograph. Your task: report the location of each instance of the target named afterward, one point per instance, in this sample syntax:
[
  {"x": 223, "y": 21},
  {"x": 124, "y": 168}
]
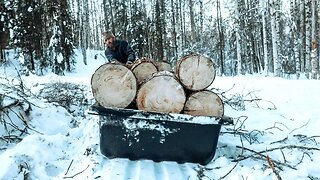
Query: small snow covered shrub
[
  {"x": 14, "y": 111},
  {"x": 68, "y": 95}
]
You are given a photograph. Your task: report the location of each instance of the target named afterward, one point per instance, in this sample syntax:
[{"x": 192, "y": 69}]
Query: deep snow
[{"x": 276, "y": 113}]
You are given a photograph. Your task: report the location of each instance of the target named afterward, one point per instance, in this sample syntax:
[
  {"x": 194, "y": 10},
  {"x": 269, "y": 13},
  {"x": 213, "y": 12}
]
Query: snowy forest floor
[{"x": 46, "y": 132}]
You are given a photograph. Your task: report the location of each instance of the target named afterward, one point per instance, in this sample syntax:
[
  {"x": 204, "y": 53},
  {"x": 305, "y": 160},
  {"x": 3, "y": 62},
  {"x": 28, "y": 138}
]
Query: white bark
[
  {"x": 301, "y": 36},
  {"x": 308, "y": 38},
  {"x": 239, "y": 60},
  {"x": 293, "y": 4},
  {"x": 276, "y": 63},
  {"x": 264, "y": 33},
  {"x": 86, "y": 31},
  {"x": 314, "y": 59}
]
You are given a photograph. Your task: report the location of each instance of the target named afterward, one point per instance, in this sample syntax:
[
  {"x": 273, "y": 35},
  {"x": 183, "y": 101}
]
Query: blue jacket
[{"x": 122, "y": 53}]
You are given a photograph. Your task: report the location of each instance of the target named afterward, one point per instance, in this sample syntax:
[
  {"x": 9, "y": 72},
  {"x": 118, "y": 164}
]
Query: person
[{"x": 119, "y": 50}]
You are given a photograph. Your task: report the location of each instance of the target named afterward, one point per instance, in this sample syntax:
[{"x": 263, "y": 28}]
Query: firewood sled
[
  {"x": 147, "y": 111},
  {"x": 135, "y": 134}
]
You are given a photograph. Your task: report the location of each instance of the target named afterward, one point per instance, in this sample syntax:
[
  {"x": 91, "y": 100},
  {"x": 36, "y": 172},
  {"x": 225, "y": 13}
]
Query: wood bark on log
[
  {"x": 195, "y": 72},
  {"x": 114, "y": 85},
  {"x": 161, "y": 93},
  {"x": 204, "y": 103},
  {"x": 143, "y": 69}
]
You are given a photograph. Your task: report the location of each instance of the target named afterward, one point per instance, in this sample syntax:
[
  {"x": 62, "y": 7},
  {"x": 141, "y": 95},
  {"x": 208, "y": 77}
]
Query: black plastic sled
[{"x": 135, "y": 134}]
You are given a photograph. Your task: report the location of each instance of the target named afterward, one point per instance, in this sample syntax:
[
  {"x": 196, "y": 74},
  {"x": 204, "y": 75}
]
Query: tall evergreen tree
[{"x": 27, "y": 36}]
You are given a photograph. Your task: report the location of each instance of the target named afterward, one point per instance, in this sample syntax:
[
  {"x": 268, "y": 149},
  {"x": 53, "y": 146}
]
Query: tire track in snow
[
  {"x": 133, "y": 170},
  {"x": 124, "y": 169},
  {"x": 116, "y": 170},
  {"x": 160, "y": 171},
  {"x": 172, "y": 170}
]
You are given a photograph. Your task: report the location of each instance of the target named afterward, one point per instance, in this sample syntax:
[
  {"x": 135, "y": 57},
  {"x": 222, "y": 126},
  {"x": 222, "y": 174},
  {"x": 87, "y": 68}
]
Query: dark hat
[{"x": 108, "y": 35}]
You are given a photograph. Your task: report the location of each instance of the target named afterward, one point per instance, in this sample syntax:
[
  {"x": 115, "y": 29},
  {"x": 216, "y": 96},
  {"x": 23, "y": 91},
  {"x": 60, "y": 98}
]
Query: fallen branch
[
  {"x": 66, "y": 177},
  {"x": 278, "y": 163},
  {"x": 69, "y": 167},
  {"x": 271, "y": 164},
  {"x": 300, "y": 127},
  {"x": 223, "y": 177}
]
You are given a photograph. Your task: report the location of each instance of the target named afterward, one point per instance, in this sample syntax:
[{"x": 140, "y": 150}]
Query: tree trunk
[
  {"x": 302, "y": 37},
  {"x": 204, "y": 103},
  {"x": 161, "y": 93},
  {"x": 308, "y": 38},
  {"x": 239, "y": 23},
  {"x": 195, "y": 72},
  {"x": 192, "y": 22},
  {"x": 276, "y": 69},
  {"x": 265, "y": 39},
  {"x": 114, "y": 85},
  {"x": 314, "y": 45}
]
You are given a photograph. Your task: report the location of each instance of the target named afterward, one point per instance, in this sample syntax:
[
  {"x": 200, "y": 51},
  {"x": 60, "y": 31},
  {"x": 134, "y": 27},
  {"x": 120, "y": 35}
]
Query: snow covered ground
[{"x": 276, "y": 132}]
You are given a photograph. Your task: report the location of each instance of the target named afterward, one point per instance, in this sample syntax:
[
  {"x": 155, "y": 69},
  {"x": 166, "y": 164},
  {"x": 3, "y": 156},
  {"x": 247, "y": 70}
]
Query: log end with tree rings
[
  {"x": 143, "y": 69},
  {"x": 195, "y": 72},
  {"x": 163, "y": 66},
  {"x": 204, "y": 103},
  {"x": 161, "y": 93},
  {"x": 114, "y": 85}
]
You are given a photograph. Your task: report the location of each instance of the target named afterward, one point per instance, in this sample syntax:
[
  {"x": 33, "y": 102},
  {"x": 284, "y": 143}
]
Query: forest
[{"x": 274, "y": 37}]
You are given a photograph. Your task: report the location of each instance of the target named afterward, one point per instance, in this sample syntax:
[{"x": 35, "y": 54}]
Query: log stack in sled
[{"x": 154, "y": 86}]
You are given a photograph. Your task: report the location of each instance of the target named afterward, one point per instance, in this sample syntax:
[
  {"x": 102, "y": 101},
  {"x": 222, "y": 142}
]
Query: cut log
[
  {"x": 161, "y": 93},
  {"x": 143, "y": 69},
  {"x": 204, "y": 103},
  {"x": 113, "y": 85},
  {"x": 195, "y": 72},
  {"x": 163, "y": 66}
]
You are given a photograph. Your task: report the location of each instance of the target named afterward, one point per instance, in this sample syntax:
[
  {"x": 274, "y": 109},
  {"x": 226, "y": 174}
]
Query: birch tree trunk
[
  {"x": 238, "y": 38},
  {"x": 276, "y": 69},
  {"x": 314, "y": 58},
  {"x": 294, "y": 10},
  {"x": 318, "y": 37},
  {"x": 86, "y": 31},
  {"x": 301, "y": 36},
  {"x": 265, "y": 40},
  {"x": 192, "y": 22},
  {"x": 221, "y": 38},
  {"x": 308, "y": 38},
  {"x": 173, "y": 31}
]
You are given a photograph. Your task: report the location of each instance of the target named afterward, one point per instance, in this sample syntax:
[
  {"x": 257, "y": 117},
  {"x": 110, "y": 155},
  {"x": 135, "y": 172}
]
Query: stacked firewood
[{"x": 155, "y": 86}]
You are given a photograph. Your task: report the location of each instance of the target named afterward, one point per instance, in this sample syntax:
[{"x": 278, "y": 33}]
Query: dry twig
[
  {"x": 66, "y": 177},
  {"x": 272, "y": 166}
]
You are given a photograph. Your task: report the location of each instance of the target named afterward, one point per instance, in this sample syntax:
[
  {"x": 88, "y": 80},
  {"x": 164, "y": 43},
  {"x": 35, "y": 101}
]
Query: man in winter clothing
[{"x": 118, "y": 49}]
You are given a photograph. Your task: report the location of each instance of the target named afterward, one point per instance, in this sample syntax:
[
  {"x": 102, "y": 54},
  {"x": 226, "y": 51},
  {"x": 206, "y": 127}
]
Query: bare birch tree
[
  {"x": 274, "y": 38},
  {"x": 308, "y": 38},
  {"x": 192, "y": 22},
  {"x": 238, "y": 38},
  {"x": 85, "y": 31},
  {"x": 314, "y": 58}
]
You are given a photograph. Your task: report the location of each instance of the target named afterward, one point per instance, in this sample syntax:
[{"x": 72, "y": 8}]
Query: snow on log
[
  {"x": 113, "y": 85},
  {"x": 161, "y": 93},
  {"x": 195, "y": 72},
  {"x": 204, "y": 103},
  {"x": 143, "y": 69}
]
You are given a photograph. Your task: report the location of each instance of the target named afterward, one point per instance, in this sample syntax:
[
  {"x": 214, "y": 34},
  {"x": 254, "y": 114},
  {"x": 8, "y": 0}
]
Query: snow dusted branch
[
  {"x": 238, "y": 101},
  {"x": 14, "y": 109},
  {"x": 253, "y": 136},
  {"x": 277, "y": 163}
]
